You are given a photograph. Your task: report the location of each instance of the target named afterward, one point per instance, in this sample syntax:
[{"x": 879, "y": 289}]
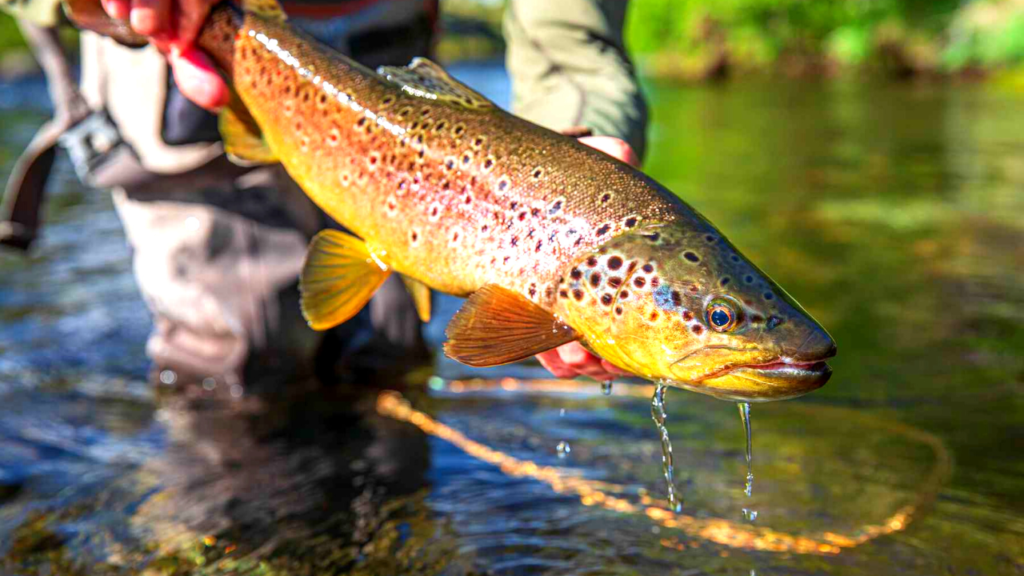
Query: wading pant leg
[{"x": 217, "y": 265}]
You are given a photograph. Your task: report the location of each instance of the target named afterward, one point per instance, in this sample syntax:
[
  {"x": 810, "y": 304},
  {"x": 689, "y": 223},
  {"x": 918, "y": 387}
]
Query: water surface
[{"x": 892, "y": 212}]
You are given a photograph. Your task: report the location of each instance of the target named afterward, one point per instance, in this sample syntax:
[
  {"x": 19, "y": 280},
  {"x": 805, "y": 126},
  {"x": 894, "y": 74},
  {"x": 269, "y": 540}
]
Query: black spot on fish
[
  {"x": 555, "y": 208},
  {"x": 563, "y": 293},
  {"x": 515, "y": 241},
  {"x": 653, "y": 236},
  {"x": 575, "y": 274},
  {"x": 639, "y": 282},
  {"x": 692, "y": 257},
  {"x": 595, "y": 279},
  {"x": 773, "y": 322},
  {"x": 540, "y": 243},
  {"x": 710, "y": 239},
  {"x": 538, "y": 173},
  {"x": 615, "y": 281},
  {"x": 624, "y": 294},
  {"x": 533, "y": 290},
  {"x": 618, "y": 310},
  {"x": 606, "y": 197},
  {"x": 522, "y": 215},
  {"x": 630, "y": 222},
  {"x": 655, "y": 282},
  {"x": 535, "y": 212},
  {"x": 648, "y": 268},
  {"x": 592, "y": 261},
  {"x": 768, "y": 296},
  {"x": 485, "y": 228},
  {"x": 577, "y": 294},
  {"x": 603, "y": 229},
  {"x": 614, "y": 263},
  {"x": 513, "y": 205},
  {"x": 748, "y": 279},
  {"x": 606, "y": 299},
  {"x": 677, "y": 298},
  {"x": 488, "y": 163},
  {"x": 466, "y": 159},
  {"x": 725, "y": 281}
]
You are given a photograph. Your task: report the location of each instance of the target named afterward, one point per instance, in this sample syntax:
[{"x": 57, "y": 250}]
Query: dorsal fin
[
  {"x": 268, "y": 9},
  {"x": 426, "y": 79},
  {"x": 497, "y": 326}
]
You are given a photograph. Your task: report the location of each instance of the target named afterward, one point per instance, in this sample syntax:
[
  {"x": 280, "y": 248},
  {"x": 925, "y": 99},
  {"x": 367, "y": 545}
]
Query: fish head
[{"x": 678, "y": 304}]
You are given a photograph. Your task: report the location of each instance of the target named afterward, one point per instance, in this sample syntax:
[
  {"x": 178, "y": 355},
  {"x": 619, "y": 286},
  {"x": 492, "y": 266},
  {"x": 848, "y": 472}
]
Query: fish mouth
[{"x": 766, "y": 382}]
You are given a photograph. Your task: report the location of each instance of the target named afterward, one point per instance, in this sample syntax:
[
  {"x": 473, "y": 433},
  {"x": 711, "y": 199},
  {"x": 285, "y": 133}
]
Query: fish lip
[{"x": 781, "y": 367}]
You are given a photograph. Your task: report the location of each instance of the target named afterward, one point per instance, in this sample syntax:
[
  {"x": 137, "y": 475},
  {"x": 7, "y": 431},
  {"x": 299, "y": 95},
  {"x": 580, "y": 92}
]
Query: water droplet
[
  {"x": 435, "y": 383},
  {"x": 168, "y": 377},
  {"x": 209, "y": 384},
  {"x": 563, "y": 449},
  {"x": 561, "y": 413},
  {"x": 748, "y": 489},
  {"x": 659, "y": 416},
  {"x": 606, "y": 387}
]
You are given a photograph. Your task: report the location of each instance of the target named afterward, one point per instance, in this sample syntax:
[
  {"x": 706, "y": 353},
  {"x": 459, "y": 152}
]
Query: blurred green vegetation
[{"x": 699, "y": 38}]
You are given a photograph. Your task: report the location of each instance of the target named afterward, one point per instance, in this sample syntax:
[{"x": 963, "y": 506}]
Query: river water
[{"x": 893, "y": 212}]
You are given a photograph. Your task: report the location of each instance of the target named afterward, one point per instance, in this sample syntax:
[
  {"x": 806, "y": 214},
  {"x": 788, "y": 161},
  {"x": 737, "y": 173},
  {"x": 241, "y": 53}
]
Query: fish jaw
[{"x": 778, "y": 380}]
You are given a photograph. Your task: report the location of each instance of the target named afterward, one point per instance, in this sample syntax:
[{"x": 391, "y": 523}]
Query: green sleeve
[{"x": 569, "y": 67}]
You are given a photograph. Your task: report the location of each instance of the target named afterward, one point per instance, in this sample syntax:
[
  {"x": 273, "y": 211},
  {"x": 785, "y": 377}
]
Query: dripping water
[
  {"x": 658, "y": 414},
  {"x": 563, "y": 449},
  {"x": 748, "y": 513}
]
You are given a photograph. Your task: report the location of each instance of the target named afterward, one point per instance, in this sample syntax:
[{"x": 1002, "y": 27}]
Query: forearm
[{"x": 569, "y": 67}]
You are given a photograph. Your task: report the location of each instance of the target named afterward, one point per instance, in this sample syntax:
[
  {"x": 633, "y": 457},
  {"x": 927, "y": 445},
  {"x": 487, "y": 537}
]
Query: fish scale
[{"x": 369, "y": 162}]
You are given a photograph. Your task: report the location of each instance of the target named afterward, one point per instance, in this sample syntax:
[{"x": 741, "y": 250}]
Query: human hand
[
  {"x": 172, "y": 26},
  {"x": 572, "y": 359}
]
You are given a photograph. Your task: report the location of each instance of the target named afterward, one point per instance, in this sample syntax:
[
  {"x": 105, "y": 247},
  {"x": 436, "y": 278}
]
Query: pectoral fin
[
  {"x": 420, "y": 296},
  {"x": 340, "y": 276},
  {"x": 243, "y": 139},
  {"x": 498, "y": 326}
]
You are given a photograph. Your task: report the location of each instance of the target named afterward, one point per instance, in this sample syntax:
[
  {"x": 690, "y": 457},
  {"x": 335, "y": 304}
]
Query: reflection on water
[{"x": 892, "y": 212}]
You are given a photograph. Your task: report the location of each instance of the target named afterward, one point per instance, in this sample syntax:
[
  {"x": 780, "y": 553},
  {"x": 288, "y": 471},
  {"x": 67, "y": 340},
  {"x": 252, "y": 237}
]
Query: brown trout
[{"x": 550, "y": 240}]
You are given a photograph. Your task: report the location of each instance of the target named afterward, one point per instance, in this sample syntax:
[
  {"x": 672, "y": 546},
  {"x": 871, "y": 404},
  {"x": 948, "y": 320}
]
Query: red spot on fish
[
  {"x": 595, "y": 279},
  {"x": 687, "y": 315},
  {"x": 577, "y": 294},
  {"x": 697, "y": 329}
]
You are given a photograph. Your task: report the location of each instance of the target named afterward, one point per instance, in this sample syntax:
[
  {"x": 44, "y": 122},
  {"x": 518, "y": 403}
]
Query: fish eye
[{"x": 721, "y": 316}]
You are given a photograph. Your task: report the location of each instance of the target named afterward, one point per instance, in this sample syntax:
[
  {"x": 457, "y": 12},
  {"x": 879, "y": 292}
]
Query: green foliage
[{"x": 907, "y": 35}]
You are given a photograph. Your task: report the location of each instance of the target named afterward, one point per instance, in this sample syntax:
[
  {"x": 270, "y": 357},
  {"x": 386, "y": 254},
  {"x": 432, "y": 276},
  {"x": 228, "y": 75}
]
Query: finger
[
  {"x": 191, "y": 14},
  {"x": 614, "y": 147},
  {"x": 117, "y": 9},
  {"x": 613, "y": 369},
  {"x": 553, "y": 363},
  {"x": 150, "y": 17},
  {"x": 574, "y": 354},
  {"x": 198, "y": 80}
]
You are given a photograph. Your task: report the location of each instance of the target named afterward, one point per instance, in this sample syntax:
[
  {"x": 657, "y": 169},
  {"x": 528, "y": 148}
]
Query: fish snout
[{"x": 817, "y": 346}]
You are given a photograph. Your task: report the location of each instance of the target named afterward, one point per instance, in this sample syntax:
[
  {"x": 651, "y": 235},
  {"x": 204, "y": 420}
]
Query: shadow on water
[{"x": 892, "y": 212}]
